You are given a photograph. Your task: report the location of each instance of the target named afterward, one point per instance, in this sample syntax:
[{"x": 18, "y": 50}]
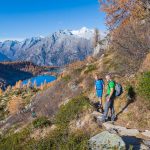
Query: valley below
[{"x": 12, "y": 72}]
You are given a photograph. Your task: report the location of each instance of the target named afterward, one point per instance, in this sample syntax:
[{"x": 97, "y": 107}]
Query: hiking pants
[{"x": 109, "y": 105}]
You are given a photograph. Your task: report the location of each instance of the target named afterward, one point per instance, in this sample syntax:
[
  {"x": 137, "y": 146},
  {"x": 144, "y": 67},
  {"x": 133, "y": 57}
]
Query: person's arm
[
  {"x": 112, "y": 89},
  {"x": 95, "y": 85},
  {"x": 111, "y": 93},
  {"x": 103, "y": 88}
]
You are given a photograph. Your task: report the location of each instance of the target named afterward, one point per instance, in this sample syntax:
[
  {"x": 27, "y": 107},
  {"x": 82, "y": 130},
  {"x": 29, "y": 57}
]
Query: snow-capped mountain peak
[
  {"x": 59, "y": 48},
  {"x": 84, "y": 33}
]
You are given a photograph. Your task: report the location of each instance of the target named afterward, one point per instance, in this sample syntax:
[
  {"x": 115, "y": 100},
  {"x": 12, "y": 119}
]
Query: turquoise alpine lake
[{"x": 39, "y": 80}]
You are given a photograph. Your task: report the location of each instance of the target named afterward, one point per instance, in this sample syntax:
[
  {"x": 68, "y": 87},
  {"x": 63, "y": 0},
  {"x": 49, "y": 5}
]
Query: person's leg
[
  {"x": 100, "y": 100},
  {"x": 106, "y": 109},
  {"x": 101, "y": 105},
  {"x": 113, "y": 116},
  {"x": 99, "y": 95}
]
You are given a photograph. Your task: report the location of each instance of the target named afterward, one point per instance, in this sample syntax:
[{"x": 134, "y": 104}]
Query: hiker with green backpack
[{"x": 113, "y": 90}]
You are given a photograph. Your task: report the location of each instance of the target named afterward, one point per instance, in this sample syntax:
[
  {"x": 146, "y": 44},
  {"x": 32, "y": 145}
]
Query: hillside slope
[{"x": 60, "y": 102}]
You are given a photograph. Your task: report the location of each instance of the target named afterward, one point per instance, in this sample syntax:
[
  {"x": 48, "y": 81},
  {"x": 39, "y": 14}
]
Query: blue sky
[{"x": 26, "y": 18}]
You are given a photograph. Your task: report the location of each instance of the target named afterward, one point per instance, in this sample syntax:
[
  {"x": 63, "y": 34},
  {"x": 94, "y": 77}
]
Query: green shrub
[
  {"x": 14, "y": 141},
  {"x": 71, "y": 110},
  {"x": 78, "y": 141},
  {"x": 79, "y": 70},
  {"x": 144, "y": 85},
  {"x": 41, "y": 122},
  {"x": 66, "y": 78},
  {"x": 90, "y": 68},
  {"x": 61, "y": 139},
  {"x": 130, "y": 93}
]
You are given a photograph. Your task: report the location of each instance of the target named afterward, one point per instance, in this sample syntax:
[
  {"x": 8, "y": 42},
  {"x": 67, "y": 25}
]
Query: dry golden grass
[
  {"x": 146, "y": 64},
  {"x": 15, "y": 105}
]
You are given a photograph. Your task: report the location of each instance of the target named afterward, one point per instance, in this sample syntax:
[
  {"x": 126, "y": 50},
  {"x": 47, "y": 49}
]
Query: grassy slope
[{"x": 77, "y": 80}]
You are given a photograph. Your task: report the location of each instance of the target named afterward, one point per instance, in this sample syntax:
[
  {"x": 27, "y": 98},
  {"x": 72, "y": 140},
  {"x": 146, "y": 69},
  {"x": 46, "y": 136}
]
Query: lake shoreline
[{"x": 39, "y": 80}]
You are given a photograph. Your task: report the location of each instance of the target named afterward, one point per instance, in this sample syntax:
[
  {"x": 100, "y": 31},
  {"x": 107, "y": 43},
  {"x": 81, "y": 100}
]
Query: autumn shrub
[
  {"x": 13, "y": 100},
  {"x": 41, "y": 122},
  {"x": 144, "y": 86},
  {"x": 15, "y": 104}
]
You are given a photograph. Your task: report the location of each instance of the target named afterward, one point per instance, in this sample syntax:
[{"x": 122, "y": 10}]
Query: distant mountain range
[
  {"x": 3, "y": 57},
  {"x": 57, "y": 49}
]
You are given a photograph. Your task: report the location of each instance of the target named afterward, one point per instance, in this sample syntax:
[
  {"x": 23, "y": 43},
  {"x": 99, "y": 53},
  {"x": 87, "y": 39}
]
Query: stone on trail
[
  {"x": 146, "y": 133},
  {"x": 147, "y": 143},
  {"x": 106, "y": 141},
  {"x": 129, "y": 132},
  {"x": 96, "y": 114},
  {"x": 121, "y": 130}
]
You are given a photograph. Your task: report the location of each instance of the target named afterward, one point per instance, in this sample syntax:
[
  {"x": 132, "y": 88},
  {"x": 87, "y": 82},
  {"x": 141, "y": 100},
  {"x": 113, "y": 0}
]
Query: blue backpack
[{"x": 118, "y": 89}]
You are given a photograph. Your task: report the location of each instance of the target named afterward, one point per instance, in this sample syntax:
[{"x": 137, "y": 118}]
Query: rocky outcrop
[
  {"x": 106, "y": 141},
  {"x": 129, "y": 136},
  {"x": 3, "y": 58},
  {"x": 146, "y": 133},
  {"x": 121, "y": 130}
]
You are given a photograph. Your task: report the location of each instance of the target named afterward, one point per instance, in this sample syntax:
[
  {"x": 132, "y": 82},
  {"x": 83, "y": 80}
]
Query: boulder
[
  {"x": 147, "y": 143},
  {"x": 73, "y": 86},
  {"x": 96, "y": 114},
  {"x": 146, "y": 133},
  {"x": 106, "y": 141},
  {"x": 129, "y": 132},
  {"x": 121, "y": 130}
]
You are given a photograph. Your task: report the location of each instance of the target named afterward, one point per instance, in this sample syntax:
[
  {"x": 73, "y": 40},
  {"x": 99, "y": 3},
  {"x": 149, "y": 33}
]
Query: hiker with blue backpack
[
  {"x": 113, "y": 90},
  {"x": 99, "y": 87}
]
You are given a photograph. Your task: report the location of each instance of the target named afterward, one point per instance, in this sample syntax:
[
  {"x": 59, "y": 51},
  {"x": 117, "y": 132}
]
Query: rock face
[
  {"x": 129, "y": 136},
  {"x": 58, "y": 49},
  {"x": 99, "y": 49},
  {"x": 146, "y": 133},
  {"x": 3, "y": 58},
  {"x": 106, "y": 141},
  {"x": 121, "y": 130}
]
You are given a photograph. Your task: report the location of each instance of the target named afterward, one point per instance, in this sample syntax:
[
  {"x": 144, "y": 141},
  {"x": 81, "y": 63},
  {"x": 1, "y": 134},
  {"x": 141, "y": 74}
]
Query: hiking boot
[
  {"x": 113, "y": 118},
  {"x": 100, "y": 109}
]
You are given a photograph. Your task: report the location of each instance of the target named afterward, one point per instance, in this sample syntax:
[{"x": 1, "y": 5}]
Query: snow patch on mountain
[{"x": 84, "y": 33}]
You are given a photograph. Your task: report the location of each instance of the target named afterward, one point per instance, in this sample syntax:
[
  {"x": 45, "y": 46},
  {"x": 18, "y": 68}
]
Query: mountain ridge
[{"x": 60, "y": 48}]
